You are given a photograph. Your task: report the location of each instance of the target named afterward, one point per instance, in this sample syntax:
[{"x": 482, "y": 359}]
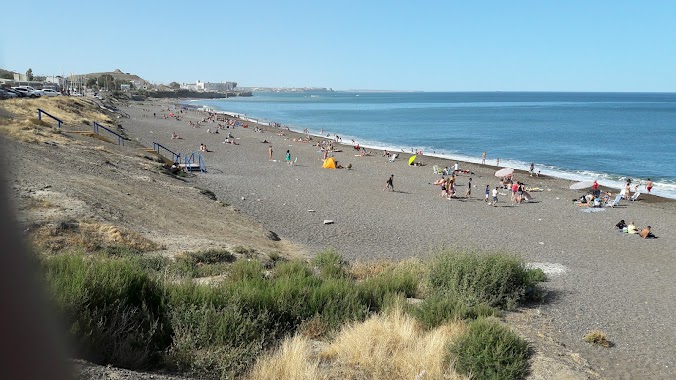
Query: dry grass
[
  {"x": 597, "y": 338},
  {"x": 36, "y": 204},
  {"x": 24, "y": 125},
  {"x": 28, "y": 131},
  {"x": 392, "y": 346},
  {"x": 55, "y": 237},
  {"x": 70, "y": 110},
  {"x": 291, "y": 361},
  {"x": 364, "y": 270}
]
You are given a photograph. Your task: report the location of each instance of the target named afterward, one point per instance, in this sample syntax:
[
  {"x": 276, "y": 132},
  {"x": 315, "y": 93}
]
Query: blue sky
[{"x": 394, "y": 45}]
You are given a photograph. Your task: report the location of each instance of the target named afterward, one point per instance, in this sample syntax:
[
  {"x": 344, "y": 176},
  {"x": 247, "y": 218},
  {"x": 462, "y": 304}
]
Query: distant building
[{"x": 210, "y": 86}]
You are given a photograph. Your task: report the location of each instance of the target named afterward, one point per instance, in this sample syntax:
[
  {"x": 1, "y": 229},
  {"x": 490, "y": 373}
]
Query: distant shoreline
[{"x": 447, "y": 160}]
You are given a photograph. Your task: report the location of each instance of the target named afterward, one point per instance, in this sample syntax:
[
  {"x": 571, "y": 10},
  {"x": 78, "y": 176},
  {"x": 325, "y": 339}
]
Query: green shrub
[
  {"x": 330, "y": 264},
  {"x": 376, "y": 290},
  {"x": 496, "y": 280},
  {"x": 437, "y": 310},
  {"x": 490, "y": 351},
  {"x": 202, "y": 263},
  {"x": 115, "y": 312}
]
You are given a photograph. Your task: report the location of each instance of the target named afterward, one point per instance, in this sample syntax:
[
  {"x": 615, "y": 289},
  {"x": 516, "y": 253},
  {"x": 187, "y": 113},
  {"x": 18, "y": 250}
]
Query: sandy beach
[{"x": 599, "y": 278}]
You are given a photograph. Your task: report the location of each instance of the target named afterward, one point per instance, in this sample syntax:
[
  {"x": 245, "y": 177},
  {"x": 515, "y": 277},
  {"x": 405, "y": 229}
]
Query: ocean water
[{"x": 577, "y": 136}]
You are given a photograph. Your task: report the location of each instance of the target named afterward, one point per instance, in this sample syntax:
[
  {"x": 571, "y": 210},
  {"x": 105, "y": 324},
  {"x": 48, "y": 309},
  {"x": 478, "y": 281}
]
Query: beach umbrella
[
  {"x": 581, "y": 185},
  {"x": 504, "y": 172},
  {"x": 410, "y": 160}
]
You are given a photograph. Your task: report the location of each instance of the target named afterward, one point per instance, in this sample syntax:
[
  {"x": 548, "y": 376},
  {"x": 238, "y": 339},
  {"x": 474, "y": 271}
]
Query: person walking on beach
[
  {"x": 468, "y": 193},
  {"x": 649, "y": 185},
  {"x": 288, "y": 157},
  {"x": 270, "y": 153},
  {"x": 495, "y": 197},
  {"x": 389, "y": 185},
  {"x": 483, "y": 158},
  {"x": 532, "y": 168},
  {"x": 488, "y": 191}
]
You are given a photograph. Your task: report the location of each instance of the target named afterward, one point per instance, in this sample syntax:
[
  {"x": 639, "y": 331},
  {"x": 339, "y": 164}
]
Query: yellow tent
[{"x": 329, "y": 163}]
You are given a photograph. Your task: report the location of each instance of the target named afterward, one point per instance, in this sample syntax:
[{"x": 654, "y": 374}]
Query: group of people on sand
[
  {"x": 631, "y": 228},
  {"x": 448, "y": 186}
]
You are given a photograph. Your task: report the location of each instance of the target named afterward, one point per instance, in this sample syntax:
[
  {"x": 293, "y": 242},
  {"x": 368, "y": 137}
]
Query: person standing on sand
[
  {"x": 468, "y": 193},
  {"x": 389, "y": 185},
  {"x": 270, "y": 153},
  {"x": 495, "y": 197},
  {"x": 483, "y": 158},
  {"x": 532, "y": 168},
  {"x": 649, "y": 185},
  {"x": 488, "y": 191},
  {"x": 288, "y": 157}
]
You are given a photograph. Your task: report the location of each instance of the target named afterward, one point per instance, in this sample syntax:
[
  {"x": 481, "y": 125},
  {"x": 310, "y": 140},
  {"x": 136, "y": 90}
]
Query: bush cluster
[
  {"x": 122, "y": 314},
  {"x": 490, "y": 351},
  {"x": 496, "y": 280},
  {"x": 121, "y": 308}
]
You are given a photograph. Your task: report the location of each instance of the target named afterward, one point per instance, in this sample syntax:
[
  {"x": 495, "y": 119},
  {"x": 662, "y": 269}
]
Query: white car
[
  {"x": 28, "y": 91},
  {"x": 49, "y": 92}
]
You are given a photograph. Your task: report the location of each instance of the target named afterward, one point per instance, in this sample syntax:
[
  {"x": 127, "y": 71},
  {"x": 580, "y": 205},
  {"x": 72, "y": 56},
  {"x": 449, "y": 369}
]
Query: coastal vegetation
[{"x": 140, "y": 311}]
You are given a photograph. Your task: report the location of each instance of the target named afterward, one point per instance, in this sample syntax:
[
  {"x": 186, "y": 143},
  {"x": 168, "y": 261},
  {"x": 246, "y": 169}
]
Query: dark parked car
[
  {"x": 15, "y": 92},
  {"x": 4, "y": 94}
]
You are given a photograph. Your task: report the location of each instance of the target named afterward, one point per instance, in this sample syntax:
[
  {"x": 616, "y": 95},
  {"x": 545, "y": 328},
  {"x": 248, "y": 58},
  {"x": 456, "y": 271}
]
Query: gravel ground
[{"x": 601, "y": 279}]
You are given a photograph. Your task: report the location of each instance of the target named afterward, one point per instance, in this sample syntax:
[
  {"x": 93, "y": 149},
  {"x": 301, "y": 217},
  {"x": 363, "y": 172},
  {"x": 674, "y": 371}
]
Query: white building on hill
[{"x": 210, "y": 86}]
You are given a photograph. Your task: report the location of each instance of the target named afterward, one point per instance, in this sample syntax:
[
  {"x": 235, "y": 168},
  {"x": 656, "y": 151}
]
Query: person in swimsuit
[{"x": 649, "y": 185}]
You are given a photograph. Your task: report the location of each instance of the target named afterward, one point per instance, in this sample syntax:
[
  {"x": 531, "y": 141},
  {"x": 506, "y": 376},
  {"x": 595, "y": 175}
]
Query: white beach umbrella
[
  {"x": 581, "y": 185},
  {"x": 504, "y": 172}
]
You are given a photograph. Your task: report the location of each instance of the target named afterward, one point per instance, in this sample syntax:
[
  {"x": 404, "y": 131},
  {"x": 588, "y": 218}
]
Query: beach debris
[
  {"x": 327, "y": 221},
  {"x": 243, "y": 198},
  {"x": 542, "y": 243},
  {"x": 550, "y": 269},
  {"x": 272, "y": 236},
  {"x": 310, "y": 210}
]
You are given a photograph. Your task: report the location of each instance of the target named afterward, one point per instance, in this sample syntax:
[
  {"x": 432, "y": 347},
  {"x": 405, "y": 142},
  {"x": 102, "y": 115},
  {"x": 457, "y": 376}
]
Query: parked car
[
  {"x": 49, "y": 92},
  {"x": 18, "y": 94},
  {"x": 30, "y": 92},
  {"x": 4, "y": 94}
]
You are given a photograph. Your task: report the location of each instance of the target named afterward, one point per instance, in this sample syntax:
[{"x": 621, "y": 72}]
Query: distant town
[{"x": 119, "y": 81}]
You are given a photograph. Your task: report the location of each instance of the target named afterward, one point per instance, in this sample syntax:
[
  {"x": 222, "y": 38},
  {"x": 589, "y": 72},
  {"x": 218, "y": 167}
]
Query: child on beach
[
  {"x": 495, "y": 197},
  {"x": 270, "y": 153},
  {"x": 649, "y": 185},
  {"x": 288, "y": 158},
  {"x": 486, "y": 194},
  {"x": 468, "y": 193}
]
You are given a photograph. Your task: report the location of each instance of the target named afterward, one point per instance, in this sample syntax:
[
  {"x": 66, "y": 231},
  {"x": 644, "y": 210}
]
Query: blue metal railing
[
  {"x": 194, "y": 158},
  {"x": 120, "y": 138},
  {"x": 40, "y": 112},
  {"x": 175, "y": 157}
]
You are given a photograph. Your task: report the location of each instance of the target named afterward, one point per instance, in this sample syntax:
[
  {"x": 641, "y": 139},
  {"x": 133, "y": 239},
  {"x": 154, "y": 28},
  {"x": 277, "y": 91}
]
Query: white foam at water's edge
[{"x": 661, "y": 189}]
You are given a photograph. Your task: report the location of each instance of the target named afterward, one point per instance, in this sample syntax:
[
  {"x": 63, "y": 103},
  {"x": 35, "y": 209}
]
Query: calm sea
[{"x": 578, "y": 136}]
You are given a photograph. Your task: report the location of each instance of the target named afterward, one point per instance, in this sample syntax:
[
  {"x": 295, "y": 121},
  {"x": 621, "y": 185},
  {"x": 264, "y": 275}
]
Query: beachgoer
[
  {"x": 649, "y": 185},
  {"x": 495, "y": 197},
  {"x": 288, "y": 158},
  {"x": 389, "y": 185},
  {"x": 174, "y": 136},
  {"x": 270, "y": 153},
  {"x": 621, "y": 225},
  {"x": 497, "y": 162},
  {"x": 456, "y": 167},
  {"x": 203, "y": 148},
  {"x": 631, "y": 228},
  {"x": 488, "y": 191},
  {"x": 483, "y": 158},
  {"x": 645, "y": 233},
  {"x": 468, "y": 193},
  {"x": 515, "y": 188},
  {"x": 532, "y": 168}
]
